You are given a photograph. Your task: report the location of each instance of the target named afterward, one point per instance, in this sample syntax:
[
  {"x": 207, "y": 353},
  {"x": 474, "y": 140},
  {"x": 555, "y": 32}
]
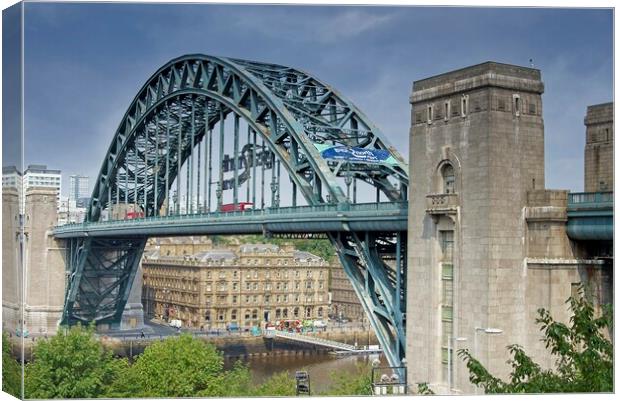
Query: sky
[{"x": 84, "y": 63}]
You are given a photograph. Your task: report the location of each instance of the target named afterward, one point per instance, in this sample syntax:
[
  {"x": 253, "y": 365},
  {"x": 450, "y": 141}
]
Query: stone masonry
[
  {"x": 599, "y": 152},
  {"x": 487, "y": 242}
]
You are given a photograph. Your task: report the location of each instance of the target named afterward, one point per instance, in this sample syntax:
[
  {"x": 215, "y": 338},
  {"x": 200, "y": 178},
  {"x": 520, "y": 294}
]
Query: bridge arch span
[
  {"x": 326, "y": 145},
  {"x": 290, "y": 110}
]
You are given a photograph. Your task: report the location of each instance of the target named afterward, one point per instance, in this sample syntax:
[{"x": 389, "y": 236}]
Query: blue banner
[{"x": 356, "y": 155}]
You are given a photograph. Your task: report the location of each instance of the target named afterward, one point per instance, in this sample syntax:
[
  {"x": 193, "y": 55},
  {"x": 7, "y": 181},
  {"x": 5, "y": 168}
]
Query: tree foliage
[
  {"x": 584, "y": 357},
  {"x": 358, "y": 382},
  {"x": 71, "y": 365},
  {"x": 176, "y": 367},
  {"x": 11, "y": 370},
  {"x": 279, "y": 384}
]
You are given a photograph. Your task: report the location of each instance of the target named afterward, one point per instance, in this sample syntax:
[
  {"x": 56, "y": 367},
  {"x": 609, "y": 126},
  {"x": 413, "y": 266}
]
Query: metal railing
[
  {"x": 590, "y": 197},
  {"x": 316, "y": 340},
  {"x": 215, "y": 217}
]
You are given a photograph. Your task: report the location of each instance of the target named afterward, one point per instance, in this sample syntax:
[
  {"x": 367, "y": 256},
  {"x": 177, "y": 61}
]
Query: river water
[{"x": 320, "y": 367}]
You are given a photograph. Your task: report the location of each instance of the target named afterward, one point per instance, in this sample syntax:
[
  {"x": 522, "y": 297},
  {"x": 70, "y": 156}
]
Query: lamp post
[
  {"x": 450, "y": 339},
  {"x": 487, "y": 330}
]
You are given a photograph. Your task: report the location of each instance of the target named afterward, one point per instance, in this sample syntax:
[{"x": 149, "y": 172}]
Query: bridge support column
[
  {"x": 101, "y": 272},
  {"x": 375, "y": 265}
]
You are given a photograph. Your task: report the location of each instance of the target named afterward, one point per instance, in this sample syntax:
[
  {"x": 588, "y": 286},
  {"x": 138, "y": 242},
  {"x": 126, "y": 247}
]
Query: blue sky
[{"x": 85, "y": 62}]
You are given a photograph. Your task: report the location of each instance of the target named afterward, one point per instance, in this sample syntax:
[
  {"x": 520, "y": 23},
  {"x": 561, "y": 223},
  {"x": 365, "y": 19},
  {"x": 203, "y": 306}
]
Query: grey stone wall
[
  {"x": 11, "y": 263},
  {"x": 486, "y": 121},
  {"x": 43, "y": 263},
  {"x": 599, "y": 151}
]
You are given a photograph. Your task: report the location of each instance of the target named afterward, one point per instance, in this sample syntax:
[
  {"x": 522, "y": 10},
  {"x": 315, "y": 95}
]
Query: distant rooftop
[
  {"x": 10, "y": 170},
  {"x": 258, "y": 248},
  {"x": 40, "y": 169},
  {"x": 215, "y": 254}
]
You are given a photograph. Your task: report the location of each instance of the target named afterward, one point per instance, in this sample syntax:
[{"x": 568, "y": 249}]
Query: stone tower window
[
  {"x": 447, "y": 175},
  {"x": 464, "y": 105},
  {"x": 429, "y": 114},
  {"x": 446, "y": 110},
  {"x": 517, "y": 104}
]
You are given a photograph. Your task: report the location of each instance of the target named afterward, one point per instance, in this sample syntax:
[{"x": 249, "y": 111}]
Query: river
[{"x": 320, "y": 367}]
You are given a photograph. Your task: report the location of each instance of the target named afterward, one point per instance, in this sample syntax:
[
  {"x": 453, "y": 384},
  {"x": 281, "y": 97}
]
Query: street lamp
[
  {"x": 450, "y": 339},
  {"x": 487, "y": 330}
]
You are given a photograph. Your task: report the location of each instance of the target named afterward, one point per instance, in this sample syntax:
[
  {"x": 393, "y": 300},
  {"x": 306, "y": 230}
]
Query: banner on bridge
[{"x": 355, "y": 155}]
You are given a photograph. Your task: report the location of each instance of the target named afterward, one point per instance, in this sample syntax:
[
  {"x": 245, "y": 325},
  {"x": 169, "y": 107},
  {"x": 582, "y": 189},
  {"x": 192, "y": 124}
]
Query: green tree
[
  {"x": 72, "y": 365},
  {"x": 584, "y": 357},
  {"x": 236, "y": 382},
  {"x": 176, "y": 367},
  {"x": 358, "y": 382},
  {"x": 279, "y": 384},
  {"x": 11, "y": 370}
]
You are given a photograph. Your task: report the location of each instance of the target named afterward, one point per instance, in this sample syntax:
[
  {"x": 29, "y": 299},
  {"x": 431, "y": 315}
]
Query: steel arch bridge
[{"x": 168, "y": 165}]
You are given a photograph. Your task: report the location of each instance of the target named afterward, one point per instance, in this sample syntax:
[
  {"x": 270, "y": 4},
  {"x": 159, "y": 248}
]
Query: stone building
[
  {"x": 345, "y": 303},
  {"x": 252, "y": 284},
  {"x": 487, "y": 242},
  {"x": 599, "y": 152}
]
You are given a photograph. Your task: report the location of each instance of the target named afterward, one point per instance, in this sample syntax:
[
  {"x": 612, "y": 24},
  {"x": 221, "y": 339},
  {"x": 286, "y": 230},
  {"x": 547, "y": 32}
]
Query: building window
[
  {"x": 447, "y": 245},
  {"x": 247, "y": 314},
  {"x": 285, "y": 313},
  {"x": 208, "y": 316},
  {"x": 296, "y": 312},
  {"x": 447, "y": 174},
  {"x": 255, "y": 314},
  {"x": 234, "y": 299},
  {"x": 429, "y": 114},
  {"x": 278, "y": 313},
  {"x": 233, "y": 314},
  {"x": 517, "y": 104},
  {"x": 308, "y": 311},
  {"x": 221, "y": 315},
  {"x": 320, "y": 312},
  {"x": 464, "y": 105},
  {"x": 267, "y": 298},
  {"x": 209, "y": 288},
  {"x": 235, "y": 286},
  {"x": 446, "y": 110}
]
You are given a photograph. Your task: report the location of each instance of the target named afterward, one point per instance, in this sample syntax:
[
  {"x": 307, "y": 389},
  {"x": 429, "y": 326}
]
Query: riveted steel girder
[
  {"x": 289, "y": 108},
  {"x": 295, "y": 114}
]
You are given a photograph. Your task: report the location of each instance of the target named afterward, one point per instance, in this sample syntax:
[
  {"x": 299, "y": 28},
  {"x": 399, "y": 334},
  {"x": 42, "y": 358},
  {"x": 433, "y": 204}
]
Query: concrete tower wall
[
  {"x": 44, "y": 263},
  {"x": 487, "y": 242},
  {"x": 11, "y": 263},
  {"x": 599, "y": 151}
]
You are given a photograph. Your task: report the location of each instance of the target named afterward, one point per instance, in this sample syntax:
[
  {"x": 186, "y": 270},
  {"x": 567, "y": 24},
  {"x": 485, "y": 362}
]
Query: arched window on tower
[{"x": 447, "y": 175}]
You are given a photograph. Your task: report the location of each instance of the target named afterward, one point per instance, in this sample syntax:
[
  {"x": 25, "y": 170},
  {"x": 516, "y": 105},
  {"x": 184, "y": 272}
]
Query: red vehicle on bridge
[
  {"x": 133, "y": 215},
  {"x": 239, "y": 207}
]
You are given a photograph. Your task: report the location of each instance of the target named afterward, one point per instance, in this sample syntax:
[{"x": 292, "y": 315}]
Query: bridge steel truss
[{"x": 293, "y": 114}]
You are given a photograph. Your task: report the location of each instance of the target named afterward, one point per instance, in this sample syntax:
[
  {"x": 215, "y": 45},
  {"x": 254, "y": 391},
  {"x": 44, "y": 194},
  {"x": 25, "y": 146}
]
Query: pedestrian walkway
[{"x": 316, "y": 341}]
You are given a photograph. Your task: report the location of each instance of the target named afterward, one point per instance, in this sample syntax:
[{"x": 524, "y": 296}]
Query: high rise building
[
  {"x": 12, "y": 178},
  {"x": 39, "y": 176},
  {"x": 78, "y": 188}
]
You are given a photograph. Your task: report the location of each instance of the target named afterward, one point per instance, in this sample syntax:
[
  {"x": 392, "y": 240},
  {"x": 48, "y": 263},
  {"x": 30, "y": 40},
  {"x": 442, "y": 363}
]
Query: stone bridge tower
[{"x": 487, "y": 242}]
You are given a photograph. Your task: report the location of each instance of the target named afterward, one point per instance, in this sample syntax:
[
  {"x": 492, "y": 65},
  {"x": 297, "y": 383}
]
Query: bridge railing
[
  {"x": 296, "y": 210},
  {"x": 590, "y": 199}
]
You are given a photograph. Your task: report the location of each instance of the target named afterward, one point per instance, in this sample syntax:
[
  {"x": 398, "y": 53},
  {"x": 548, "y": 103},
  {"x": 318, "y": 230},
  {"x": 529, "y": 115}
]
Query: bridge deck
[
  {"x": 388, "y": 216},
  {"x": 316, "y": 341},
  {"x": 591, "y": 216}
]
